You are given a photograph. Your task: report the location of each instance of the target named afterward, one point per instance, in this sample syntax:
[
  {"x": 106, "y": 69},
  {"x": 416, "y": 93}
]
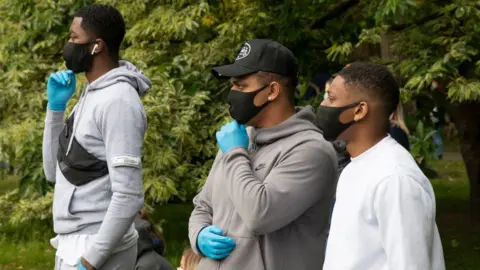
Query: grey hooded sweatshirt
[
  {"x": 110, "y": 124},
  {"x": 273, "y": 200}
]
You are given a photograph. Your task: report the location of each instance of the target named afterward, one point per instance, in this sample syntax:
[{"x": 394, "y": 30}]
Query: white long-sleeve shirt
[{"x": 384, "y": 215}]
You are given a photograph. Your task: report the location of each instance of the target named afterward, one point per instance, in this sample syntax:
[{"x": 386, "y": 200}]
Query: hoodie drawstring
[{"x": 83, "y": 97}]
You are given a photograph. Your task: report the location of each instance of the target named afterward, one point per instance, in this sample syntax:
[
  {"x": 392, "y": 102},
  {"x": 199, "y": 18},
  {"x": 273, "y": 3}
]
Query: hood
[
  {"x": 302, "y": 120},
  {"x": 126, "y": 72}
]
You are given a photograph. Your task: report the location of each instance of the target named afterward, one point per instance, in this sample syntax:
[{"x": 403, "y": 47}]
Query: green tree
[
  {"x": 183, "y": 107},
  {"x": 430, "y": 41},
  {"x": 177, "y": 42}
]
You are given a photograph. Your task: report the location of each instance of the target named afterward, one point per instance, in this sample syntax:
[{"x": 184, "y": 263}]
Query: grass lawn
[{"x": 461, "y": 237}]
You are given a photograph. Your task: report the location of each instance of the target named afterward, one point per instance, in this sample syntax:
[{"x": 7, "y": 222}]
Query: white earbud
[
  {"x": 269, "y": 98},
  {"x": 94, "y": 48}
]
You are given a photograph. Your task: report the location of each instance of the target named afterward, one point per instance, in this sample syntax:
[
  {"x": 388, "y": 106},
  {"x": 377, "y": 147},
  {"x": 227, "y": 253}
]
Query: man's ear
[
  {"x": 274, "y": 91},
  {"x": 361, "y": 111},
  {"x": 98, "y": 47}
]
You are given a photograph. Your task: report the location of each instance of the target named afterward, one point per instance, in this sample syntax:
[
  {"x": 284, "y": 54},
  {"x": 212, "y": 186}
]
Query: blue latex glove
[
  {"x": 60, "y": 88},
  {"x": 212, "y": 244},
  {"x": 232, "y": 135}
]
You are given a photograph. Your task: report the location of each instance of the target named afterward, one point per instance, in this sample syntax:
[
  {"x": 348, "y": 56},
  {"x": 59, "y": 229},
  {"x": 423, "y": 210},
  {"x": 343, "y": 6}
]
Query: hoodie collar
[
  {"x": 302, "y": 120},
  {"x": 126, "y": 72}
]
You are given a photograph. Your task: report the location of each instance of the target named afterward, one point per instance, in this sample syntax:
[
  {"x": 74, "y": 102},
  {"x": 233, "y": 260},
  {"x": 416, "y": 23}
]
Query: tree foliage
[{"x": 177, "y": 42}]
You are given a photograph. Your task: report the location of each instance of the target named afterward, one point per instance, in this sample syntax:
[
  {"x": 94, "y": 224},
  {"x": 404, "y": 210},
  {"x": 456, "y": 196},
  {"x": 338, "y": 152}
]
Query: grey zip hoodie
[
  {"x": 273, "y": 200},
  {"x": 110, "y": 123}
]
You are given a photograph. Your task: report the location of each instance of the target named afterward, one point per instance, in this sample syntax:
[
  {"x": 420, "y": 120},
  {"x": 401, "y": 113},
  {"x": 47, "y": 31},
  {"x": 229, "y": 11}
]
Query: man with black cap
[{"x": 266, "y": 201}]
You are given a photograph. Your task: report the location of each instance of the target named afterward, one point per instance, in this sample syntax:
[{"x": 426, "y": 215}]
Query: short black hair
[
  {"x": 288, "y": 82},
  {"x": 373, "y": 80},
  {"x": 106, "y": 23}
]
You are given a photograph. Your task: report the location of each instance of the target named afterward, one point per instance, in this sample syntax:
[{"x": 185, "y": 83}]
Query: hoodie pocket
[
  {"x": 246, "y": 255},
  {"x": 62, "y": 201}
]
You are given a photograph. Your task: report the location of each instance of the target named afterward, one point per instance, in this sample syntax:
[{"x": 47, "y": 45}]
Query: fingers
[
  {"x": 65, "y": 76},
  {"x": 215, "y": 229},
  {"x": 216, "y": 236},
  {"x": 221, "y": 247},
  {"x": 218, "y": 249},
  {"x": 71, "y": 76},
  {"x": 220, "y": 256},
  {"x": 56, "y": 78},
  {"x": 235, "y": 124},
  {"x": 219, "y": 135},
  {"x": 225, "y": 128},
  {"x": 232, "y": 125},
  {"x": 221, "y": 241},
  {"x": 60, "y": 76}
]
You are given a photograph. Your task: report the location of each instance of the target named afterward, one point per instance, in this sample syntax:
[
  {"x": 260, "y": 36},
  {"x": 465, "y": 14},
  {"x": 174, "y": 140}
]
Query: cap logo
[{"x": 244, "y": 52}]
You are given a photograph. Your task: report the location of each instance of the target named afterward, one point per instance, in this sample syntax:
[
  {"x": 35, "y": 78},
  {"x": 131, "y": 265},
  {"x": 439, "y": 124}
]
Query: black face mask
[
  {"x": 242, "y": 106},
  {"x": 328, "y": 120},
  {"x": 78, "y": 57}
]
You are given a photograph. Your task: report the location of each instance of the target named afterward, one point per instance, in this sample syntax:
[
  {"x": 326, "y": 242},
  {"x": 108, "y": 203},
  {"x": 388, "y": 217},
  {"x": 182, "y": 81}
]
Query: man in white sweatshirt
[{"x": 384, "y": 215}]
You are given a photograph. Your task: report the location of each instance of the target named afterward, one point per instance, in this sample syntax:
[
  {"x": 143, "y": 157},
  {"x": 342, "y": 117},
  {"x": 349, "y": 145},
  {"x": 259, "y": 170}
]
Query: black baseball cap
[{"x": 260, "y": 55}]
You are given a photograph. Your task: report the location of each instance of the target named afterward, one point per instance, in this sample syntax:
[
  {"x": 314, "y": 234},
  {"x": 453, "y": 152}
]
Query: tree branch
[
  {"x": 421, "y": 21},
  {"x": 334, "y": 12}
]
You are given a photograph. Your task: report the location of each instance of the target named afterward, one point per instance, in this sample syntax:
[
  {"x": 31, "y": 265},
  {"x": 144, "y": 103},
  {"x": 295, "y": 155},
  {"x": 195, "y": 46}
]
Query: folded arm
[
  {"x": 302, "y": 178},
  {"x": 202, "y": 213}
]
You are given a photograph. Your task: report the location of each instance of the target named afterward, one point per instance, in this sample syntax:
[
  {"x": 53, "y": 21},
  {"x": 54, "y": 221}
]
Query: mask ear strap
[{"x": 94, "y": 48}]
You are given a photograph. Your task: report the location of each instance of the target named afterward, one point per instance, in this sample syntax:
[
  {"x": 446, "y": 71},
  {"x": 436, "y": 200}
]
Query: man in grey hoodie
[
  {"x": 94, "y": 157},
  {"x": 266, "y": 201}
]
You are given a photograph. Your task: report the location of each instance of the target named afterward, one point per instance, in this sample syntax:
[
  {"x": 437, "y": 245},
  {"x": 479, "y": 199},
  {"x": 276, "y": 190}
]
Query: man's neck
[
  {"x": 362, "y": 143},
  {"x": 276, "y": 117},
  {"x": 99, "y": 70}
]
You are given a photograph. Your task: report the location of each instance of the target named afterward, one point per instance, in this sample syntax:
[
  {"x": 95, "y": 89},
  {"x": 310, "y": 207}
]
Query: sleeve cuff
[
  {"x": 235, "y": 153},
  {"x": 95, "y": 258},
  {"x": 193, "y": 243},
  {"x": 54, "y": 116},
  {"x": 236, "y": 150}
]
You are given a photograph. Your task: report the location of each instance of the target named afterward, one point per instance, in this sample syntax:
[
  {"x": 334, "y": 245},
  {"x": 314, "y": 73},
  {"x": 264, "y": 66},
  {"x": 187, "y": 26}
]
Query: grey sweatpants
[{"x": 122, "y": 260}]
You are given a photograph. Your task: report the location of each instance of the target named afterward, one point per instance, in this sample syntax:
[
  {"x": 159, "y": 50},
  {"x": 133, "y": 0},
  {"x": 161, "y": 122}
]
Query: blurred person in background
[
  {"x": 150, "y": 245},
  {"x": 189, "y": 260},
  {"x": 398, "y": 128}
]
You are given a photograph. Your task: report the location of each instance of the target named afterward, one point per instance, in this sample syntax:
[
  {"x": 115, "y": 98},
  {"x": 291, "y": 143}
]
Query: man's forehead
[
  {"x": 338, "y": 86},
  {"x": 76, "y": 22},
  {"x": 241, "y": 79},
  {"x": 76, "y": 26}
]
